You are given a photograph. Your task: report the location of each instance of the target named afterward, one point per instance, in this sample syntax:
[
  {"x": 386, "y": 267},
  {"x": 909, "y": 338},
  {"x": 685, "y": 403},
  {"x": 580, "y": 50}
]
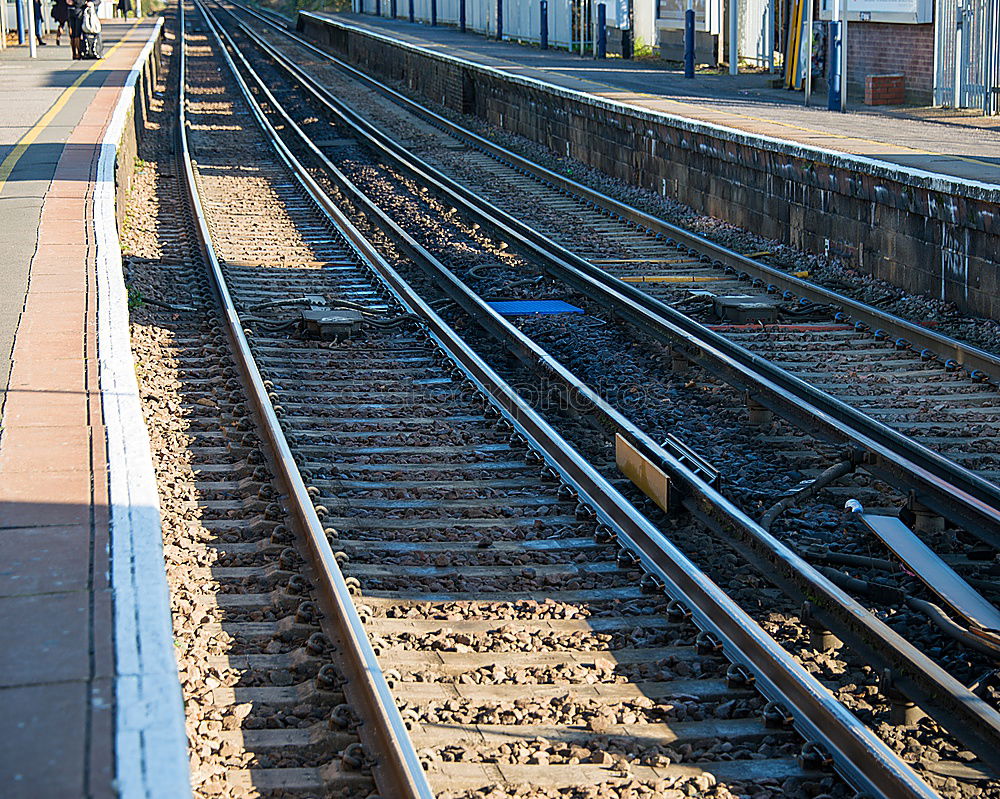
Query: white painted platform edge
[
  {"x": 933, "y": 181},
  {"x": 151, "y": 760}
]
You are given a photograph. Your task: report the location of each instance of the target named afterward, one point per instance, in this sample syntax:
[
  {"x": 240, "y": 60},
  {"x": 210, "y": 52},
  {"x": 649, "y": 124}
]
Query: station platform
[
  {"x": 932, "y": 140},
  {"x": 87, "y": 681}
]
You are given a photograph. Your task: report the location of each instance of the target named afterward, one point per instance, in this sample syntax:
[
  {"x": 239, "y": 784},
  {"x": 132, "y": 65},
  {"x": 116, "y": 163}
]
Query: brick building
[
  {"x": 886, "y": 48},
  {"x": 888, "y": 37}
]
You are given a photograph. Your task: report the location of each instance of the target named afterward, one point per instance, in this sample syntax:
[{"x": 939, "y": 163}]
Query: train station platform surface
[
  {"x": 950, "y": 144},
  {"x": 85, "y": 696}
]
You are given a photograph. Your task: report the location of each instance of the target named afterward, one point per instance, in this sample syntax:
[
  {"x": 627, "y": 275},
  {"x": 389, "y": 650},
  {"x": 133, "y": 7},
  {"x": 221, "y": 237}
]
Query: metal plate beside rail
[
  {"x": 647, "y": 476},
  {"x": 937, "y": 575}
]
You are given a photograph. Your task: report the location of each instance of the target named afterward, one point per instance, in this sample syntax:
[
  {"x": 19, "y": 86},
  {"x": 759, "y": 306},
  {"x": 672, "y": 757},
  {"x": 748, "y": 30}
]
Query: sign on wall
[{"x": 905, "y": 11}]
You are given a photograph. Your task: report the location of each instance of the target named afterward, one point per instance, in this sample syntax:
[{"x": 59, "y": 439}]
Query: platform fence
[
  {"x": 967, "y": 54},
  {"x": 522, "y": 19}
]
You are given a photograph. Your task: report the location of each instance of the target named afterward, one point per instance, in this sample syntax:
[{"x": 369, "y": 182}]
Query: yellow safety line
[{"x": 8, "y": 164}]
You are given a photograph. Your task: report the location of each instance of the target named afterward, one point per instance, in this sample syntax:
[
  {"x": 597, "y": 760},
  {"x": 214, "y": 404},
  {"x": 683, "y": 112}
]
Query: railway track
[
  {"x": 919, "y": 408},
  {"x": 255, "y": 659},
  {"x": 875, "y": 638},
  {"x": 414, "y": 576}
]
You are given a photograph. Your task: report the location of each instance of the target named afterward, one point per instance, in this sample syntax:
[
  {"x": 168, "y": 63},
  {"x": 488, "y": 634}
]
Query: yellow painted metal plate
[
  {"x": 645, "y": 261},
  {"x": 646, "y": 475},
  {"x": 671, "y": 279}
]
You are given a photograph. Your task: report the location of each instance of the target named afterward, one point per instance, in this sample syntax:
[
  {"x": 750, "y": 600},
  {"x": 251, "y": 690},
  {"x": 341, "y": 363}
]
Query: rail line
[
  {"x": 409, "y": 464},
  {"x": 912, "y": 671},
  {"x": 926, "y": 432}
]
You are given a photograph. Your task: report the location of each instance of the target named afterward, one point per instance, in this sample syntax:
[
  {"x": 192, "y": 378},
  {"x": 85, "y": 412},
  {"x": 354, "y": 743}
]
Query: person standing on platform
[
  {"x": 60, "y": 13},
  {"x": 39, "y": 22},
  {"x": 77, "y": 8},
  {"x": 124, "y": 6}
]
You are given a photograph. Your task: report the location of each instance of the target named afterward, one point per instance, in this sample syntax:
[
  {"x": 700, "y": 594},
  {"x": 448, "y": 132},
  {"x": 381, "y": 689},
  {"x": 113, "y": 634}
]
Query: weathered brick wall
[
  {"x": 438, "y": 80},
  {"x": 919, "y": 233},
  {"x": 883, "y": 48}
]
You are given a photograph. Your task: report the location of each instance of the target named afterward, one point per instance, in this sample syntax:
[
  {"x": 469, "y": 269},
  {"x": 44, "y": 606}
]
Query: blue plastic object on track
[{"x": 528, "y": 307}]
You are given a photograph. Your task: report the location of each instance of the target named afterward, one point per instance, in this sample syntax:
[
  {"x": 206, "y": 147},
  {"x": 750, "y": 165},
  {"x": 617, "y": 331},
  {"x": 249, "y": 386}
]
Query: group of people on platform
[{"x": 70, "y": 16}]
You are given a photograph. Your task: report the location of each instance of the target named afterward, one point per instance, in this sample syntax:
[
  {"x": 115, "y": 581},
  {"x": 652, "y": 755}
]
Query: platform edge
[{"x": 150, "y": 740}]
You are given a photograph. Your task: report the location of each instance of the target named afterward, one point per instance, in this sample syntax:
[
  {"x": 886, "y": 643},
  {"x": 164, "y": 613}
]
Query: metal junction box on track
[
  {"x": 329, "y": 324},
  {"x": 743, "y": 310}
]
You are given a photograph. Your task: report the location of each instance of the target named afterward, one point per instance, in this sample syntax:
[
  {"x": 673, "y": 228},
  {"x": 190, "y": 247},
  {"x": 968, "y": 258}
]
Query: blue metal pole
[
  {"x": 20, "y": 21},
  {"x": 544, "y": 24},
  {"x": 833, "y": 73},
  {"x": 434, "y": 12},
  {"x": 461, "y": 15},
  {"x": 412, "y": 19},
  {"x": 499, "y": 20},
  {"x": 689, "y": 41},
  {"x": 602, "y": 31},
  {"x": 392, "y": 8},
  {"x": 378, "y": 8}
]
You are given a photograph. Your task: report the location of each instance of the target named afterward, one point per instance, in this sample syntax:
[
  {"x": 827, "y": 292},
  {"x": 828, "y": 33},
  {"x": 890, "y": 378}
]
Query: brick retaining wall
[{"x": 922, "y": 233}]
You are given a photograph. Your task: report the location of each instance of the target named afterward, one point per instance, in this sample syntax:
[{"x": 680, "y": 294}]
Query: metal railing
[{"x": 967, "y": 54}]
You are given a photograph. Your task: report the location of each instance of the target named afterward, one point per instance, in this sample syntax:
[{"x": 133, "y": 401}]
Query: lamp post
[
  {"x": 20, "y": 21},
  {"x": 843, "y": 60},
  {"x": 835, "y": 95},
  {"x": 809, "y": 52},
  {"x": 601, "y": 43}
]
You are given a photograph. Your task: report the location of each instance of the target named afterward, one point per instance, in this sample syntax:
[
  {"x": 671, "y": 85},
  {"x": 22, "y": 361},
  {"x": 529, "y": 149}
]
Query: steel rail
[
  {"x": 857, "y": 751},
  {"x": 939, "y": 346},
  {"x": 398, "y": 770},
  {"x": 917, "y": 676},
  {"x": 704, "y": 499},
  {"x": 935, "y": 481}
]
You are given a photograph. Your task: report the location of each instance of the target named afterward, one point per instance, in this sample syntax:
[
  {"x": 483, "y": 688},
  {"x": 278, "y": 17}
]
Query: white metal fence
[
  {"x": 522, "y": 19},
  {"x": 756, "y": 29},
  {"x": 967, "y": 54}
]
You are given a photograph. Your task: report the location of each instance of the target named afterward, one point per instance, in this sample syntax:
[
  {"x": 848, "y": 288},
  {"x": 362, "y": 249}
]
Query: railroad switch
[
  {"x": 330, "y": 324},
  {"x": 745, "y": 310}
]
